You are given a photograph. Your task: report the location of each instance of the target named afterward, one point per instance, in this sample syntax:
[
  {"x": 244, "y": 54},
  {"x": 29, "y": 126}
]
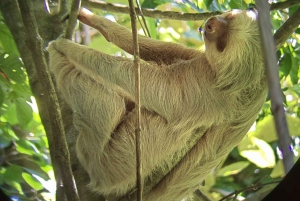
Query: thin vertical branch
[
  {"x": 143, "y": 18},
  {"x": 269, "y": 51},
  {"x": 136, "y": 55},
  {"x": 72, "y": 19},
  {"x": 61, "y": 152}
]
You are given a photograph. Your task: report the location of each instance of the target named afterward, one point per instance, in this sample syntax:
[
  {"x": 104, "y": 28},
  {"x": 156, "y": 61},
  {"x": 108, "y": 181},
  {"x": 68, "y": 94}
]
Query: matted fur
[{"x": 212, "y": 96}]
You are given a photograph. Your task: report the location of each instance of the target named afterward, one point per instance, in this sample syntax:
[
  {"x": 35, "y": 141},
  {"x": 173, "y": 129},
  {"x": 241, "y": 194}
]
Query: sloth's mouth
[{"x": 205, "y": 36}]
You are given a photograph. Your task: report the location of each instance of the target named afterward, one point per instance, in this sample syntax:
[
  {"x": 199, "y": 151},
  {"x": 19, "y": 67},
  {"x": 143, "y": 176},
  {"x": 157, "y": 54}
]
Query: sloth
[{"x": 195, "y": 105}]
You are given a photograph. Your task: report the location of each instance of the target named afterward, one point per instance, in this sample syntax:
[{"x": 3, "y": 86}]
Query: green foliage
[
  {"x": 24, "y": 157},
  {"x": 232, "y": 169},
  {"x": 257, "y": 151},
  {"x": 154, "y": 4},
  {"x": 24, "y": 154},
  {"x": 265, "y": 129}
]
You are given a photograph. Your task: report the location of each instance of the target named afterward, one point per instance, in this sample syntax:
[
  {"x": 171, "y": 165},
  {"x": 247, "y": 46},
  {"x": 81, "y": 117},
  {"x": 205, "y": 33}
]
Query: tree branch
[
  {"x": 283, "y": 5},
  {"x": 283, "y": 33},
  {"x": 61, "y": 152},
  {"x": 118, "y": 8},
  {"x": 8, "y": 7},
  {"x": 270, "y": 59},
  {"x": 136, "y": 55},
  {"x": 72, "y": 19}
]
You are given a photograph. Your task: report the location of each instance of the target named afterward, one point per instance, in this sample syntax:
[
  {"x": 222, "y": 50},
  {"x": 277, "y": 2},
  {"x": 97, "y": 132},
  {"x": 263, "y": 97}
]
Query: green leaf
[
  {"x": 294, "y": 67},
  {"x": 152, "y": 26},
  {"x": 16, "y": 186},
  {"x": 24, "y": 112},
  {"x": 13, "y": 173},
  {"x": 12, "y": 66},
  {"x": 278, "y": 170},
  {"x": 26, "y": 147},
  {"x": 9, "y": 113},
  {"x": 33, "y": 168},
  {"x": 257, "y": 151},
  {"x": 285, "y": 64},
  {"x": 154, "y": 4},
  {"x": 33, "y": 182},
  {"x": 4, "y": 142},
  {"x": 238, "y": 5},
  {"x": 265, "y": 129},
  {"x": 208, "y": 3},
  {"x": 233, "y": 168},
  {"x": 7, "y": 40},
  {"x": 107, "y": 48},
  {"x": 2, "y": 96}
]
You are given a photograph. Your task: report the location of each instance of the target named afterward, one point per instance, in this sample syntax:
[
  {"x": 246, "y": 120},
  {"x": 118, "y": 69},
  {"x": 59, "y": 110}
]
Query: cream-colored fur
[{"x": 196, "y": 106}]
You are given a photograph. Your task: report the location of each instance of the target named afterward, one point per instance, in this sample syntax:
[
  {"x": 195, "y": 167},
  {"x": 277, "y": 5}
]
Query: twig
[
  {"x": 248, "y": 188},
  {"x": 139, "y": 184},
  {"x": 270, "y": 60},
  {"x": 118, "y": 8},
  {"x": 143, "y": 18},
  {"x": 72, "y": 19},
  {"x": 287, "y": 28},
  {"x": 61, "y": 152}
]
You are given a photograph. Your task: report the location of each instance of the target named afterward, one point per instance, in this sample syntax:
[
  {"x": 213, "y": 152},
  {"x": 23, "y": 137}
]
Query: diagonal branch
[
  {"x": 61, "y": 152},
  {"x": 283, "y": 5},
  {"x": 283, "y": 33}
]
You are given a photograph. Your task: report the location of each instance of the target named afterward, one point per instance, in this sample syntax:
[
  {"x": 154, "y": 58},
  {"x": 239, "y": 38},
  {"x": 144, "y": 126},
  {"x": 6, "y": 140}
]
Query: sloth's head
[
  {"x": 233, "y": 47},
  {"x": 239, "y": 27}
]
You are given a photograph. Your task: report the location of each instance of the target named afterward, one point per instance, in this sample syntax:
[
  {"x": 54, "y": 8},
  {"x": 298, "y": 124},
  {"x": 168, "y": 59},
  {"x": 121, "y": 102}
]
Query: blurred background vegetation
[{"x": 26, "y": 172}]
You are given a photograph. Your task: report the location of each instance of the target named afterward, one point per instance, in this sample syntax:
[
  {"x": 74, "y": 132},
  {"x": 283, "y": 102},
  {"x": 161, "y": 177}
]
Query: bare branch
[
  {"x": 61, "y": 152},
  {"x": 283, "y": 33},
  {"x": 270, "y": 59},
  {"x": 139, "y": 183},
  {"x": 72, "y": 18},
  {"x": 283, "y": 5},
  {"x": 118, "y": 8},
  {"x": 143, "y": 19}
]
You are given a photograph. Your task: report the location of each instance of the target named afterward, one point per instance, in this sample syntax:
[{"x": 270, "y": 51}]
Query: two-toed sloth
[{"x": 196, "y": 106}]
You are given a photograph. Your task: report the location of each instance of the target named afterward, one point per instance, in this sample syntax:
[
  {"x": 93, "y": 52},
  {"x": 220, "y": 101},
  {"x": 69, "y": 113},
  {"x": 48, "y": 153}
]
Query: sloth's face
[{"x": 231, "y": 26}]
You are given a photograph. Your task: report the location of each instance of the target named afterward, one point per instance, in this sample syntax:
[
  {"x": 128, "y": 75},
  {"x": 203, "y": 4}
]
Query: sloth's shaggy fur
[{"x": 196, "y": 106}]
